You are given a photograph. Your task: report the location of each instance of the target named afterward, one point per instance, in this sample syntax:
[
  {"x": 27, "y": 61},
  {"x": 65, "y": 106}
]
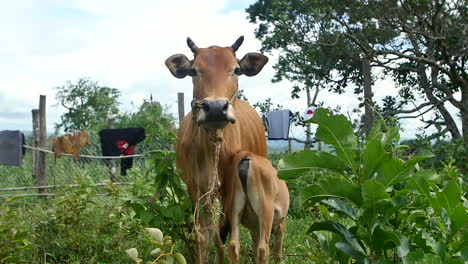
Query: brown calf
[{"x": 260, "y": 201}]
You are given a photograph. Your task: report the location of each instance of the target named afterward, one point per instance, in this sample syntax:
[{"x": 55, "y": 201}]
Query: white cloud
[{"x": 124, "y": 45}]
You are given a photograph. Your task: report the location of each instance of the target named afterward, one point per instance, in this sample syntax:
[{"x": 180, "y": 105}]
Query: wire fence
[{"x": 65, "y": 170}]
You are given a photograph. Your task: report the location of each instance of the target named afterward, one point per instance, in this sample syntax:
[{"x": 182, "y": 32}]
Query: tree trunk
[
  {"x": 368, "y": 118},
  {"x": 448, "y": 119},
  {"x": 464, "y": 121},
  {"x": 464, "y": 113},
  {"x": 308, "y": 142}
]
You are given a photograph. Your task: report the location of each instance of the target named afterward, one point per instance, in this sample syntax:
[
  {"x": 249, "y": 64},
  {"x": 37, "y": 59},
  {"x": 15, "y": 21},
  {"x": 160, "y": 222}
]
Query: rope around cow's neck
[{"x": 214, "y": 139}]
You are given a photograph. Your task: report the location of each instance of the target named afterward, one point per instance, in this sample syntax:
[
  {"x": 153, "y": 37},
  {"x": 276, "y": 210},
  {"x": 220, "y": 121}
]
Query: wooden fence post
[
  {"x": 112, "y": 163},
  {"x": 180, "y": 102},
  {"x": 42, "y": 156},
  {"x": 35, "y": 143}
]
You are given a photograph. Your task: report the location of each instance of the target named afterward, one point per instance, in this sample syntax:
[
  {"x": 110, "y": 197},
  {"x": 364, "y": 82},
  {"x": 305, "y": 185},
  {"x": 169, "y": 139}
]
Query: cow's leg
[
  {"x": 254, "y": 234},
  {"x": 266, "y": 221},
  {"x": 238, "y": 205},
  {"x": 279, "y": 232},
  {"x": 224, "y": 229},
  {"x": 261, "y": 202}
]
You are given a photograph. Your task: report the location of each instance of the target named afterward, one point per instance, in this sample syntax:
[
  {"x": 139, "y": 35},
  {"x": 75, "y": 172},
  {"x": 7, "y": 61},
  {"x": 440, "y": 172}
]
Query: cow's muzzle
[{"x": 215, "y": 113}]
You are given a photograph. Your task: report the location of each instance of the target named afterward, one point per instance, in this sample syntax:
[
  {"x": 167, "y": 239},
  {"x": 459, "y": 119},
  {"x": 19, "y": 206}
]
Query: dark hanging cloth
[
  {"x": 121, "y": 141},
  {"x": 11, "y": 147},
  {"x": 278, "y": 124}
]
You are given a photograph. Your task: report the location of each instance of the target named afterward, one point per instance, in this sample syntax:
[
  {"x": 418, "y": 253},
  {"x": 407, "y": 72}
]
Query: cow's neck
[{"x": 207, "y": 145}]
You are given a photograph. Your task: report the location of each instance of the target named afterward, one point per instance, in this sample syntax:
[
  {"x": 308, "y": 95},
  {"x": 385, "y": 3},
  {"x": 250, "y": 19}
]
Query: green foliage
[
  {"x": 445, "y": 151},
  {"x": 88, "y": 105},
  {"x": 321, "y": 44},
  {"x": 155, "y": 119},
  {"x": 160, "y": 198},
  {"x": 80, "y": 227},
  {"x": 381, "y": 197},
  {"x": 15, "y": 238}
]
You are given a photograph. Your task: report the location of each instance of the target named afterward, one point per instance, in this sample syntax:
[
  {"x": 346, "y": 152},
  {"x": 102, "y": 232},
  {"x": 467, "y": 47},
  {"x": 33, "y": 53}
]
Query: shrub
[{"x": 379, "y": 195}]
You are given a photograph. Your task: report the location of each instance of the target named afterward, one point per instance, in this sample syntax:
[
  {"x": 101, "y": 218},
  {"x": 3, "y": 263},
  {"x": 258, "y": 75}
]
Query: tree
[
  {"x": 422, "y": 44},
  {"x": 88, "y": 105},
  {"x": 158, "y": 124},
  {"x": 314, "y": 54}
]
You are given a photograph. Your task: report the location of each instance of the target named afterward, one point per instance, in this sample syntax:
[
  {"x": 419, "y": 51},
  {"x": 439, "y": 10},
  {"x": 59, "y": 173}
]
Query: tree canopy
[
  {"x": 88, "y": 105},
  {"x": 420, "y": 44}
]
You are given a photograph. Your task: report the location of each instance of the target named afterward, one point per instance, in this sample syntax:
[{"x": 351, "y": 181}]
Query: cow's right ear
[{"x": 179, "y": 65}]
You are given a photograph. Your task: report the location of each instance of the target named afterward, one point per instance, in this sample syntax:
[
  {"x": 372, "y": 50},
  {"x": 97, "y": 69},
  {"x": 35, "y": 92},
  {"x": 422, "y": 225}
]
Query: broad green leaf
[
  {"x": 331, "y": 187},
  {"x": 387, "y": 138},
  {"x": 341, "y": 206},
  {"x": 339, "y": 229},
  {"x": 349, "y": 250},
  {"x": 404, "y": 247},
  {"x": 392, "y": 134},
  {"x": 327, "y": 243},
  {"x": 363, "y": 234},
  {"x": 429, "y": 175},
  {"x": 376, "y": 131},
  {"x": 392, "y": 171},
  {"x": 299, "y": 162},
  {"x": 373, "y": 155},
  {"x": 459, "y": 218},
  {"x": 337, "y": 131},
  {"x": 420, "y": 183},
  {"x": 382, "y": 238},
  {"x": 372, "y": 192},
  {"x": 452, "y": 194},
  {"x": 395, "y": 170},
  {"x": 419, "y": 257},
  {"x": 456, "y": 260}
]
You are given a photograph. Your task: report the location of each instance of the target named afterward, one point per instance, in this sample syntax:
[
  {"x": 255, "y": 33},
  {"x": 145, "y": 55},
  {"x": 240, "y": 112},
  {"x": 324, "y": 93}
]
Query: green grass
[
  {"x": 81, "y": 228},
  {"x": 298, "y": 247}
]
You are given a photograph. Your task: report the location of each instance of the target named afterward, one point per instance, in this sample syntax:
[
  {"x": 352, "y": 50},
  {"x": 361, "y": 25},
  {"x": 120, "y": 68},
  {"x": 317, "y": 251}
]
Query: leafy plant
[
  {"x": 15, "y": 239},
  {"x": 164, "y": 251},
  {"x": 377, "y": 192},
  {"x": 159, "y": 197}
]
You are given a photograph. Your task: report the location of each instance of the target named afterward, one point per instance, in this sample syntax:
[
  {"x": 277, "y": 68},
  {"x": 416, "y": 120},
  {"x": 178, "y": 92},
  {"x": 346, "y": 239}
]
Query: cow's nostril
[
  {"x": 225, "y": 106},
  {"x": 206, "y": 106}
]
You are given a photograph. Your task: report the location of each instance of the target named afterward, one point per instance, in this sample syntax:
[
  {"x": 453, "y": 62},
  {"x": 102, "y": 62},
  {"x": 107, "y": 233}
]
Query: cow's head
[{"x": 214, "y": 72}]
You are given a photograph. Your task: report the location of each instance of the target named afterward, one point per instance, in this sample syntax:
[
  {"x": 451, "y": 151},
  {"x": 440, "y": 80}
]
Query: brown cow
[
  {"x": 70, "y": 143},
  {"x": 218, "y": 127},
  {"x": 258, "y": 199}
]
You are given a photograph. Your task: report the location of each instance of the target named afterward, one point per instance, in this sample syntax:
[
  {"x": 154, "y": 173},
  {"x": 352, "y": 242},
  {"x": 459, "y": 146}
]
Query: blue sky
[{"x": 124, "y": 45}]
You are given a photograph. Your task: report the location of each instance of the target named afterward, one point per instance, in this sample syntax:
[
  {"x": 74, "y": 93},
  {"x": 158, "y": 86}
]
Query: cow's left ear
[
  {"x": 252, "y": 63},
  {"x": 179, "y": 65}
]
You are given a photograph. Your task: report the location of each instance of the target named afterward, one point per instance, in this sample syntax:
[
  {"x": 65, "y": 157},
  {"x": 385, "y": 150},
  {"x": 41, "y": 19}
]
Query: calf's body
[{"x": 259, "y": 200}]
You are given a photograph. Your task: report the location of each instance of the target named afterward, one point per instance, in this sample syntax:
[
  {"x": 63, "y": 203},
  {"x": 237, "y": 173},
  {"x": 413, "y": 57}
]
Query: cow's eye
[
  {"x": 192, "y": 72},
  {"x": 237, "y": 71}
]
